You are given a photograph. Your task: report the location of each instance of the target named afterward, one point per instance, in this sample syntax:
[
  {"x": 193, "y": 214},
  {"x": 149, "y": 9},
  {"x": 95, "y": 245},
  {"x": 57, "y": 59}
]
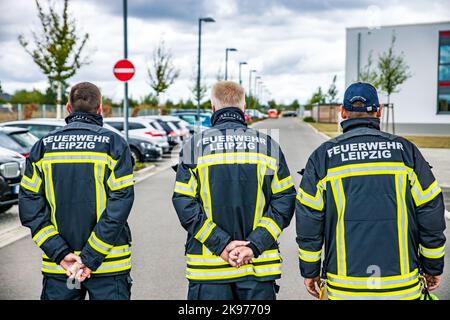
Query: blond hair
[{"x": 227, "y": 94}]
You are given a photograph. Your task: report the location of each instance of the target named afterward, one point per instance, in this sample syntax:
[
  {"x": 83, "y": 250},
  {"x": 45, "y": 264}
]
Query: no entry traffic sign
[{"x": 124, "y": 70}]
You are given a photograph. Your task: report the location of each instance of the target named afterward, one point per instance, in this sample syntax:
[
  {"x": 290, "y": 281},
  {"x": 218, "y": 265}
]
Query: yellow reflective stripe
[
  {"x": 105, "y": 267},
  {"x": 271, "y": 226},
  {"x": 309, "y": 256},
  {"x": 230, "y": 273},
  {"x": 120, "y": 183},
  {"x": 432, "y": 253},
  {"x": 115, "y": 252},
  {"x": 205, "y": 231},
  {"x": 402, "y": 222},
  {"x": 389, "y": 282},
  {"x": 100, "y": 195},
  {"x": 237, "y": 157},
  {"x": 260, "y": 197},
  {"x": 278, "y": 186},
  {"x": 407, "y": 294},
  {"x": 44, "y": 234},
  {"x": 49, "y": 191},
  {"x": 421, "y": 196},
  {"x": 83, "y": 156},
  {"x": 339, "y": 198},
  {"x": 189, "y": 188},
  {"x": 213, "y": 260},
  {"x": 34, "y": 183},
  {"x": 315, "y": 202},
  {"x": 99, "y": 245}
]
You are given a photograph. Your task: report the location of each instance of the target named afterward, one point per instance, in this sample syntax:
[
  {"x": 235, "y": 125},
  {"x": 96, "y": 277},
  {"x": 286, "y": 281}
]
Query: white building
[{"x": 423, "y": 104}]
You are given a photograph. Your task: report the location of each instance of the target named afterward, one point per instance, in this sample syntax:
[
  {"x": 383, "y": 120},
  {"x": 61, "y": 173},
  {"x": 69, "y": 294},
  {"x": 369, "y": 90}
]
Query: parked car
[
  {"x": 272, "y": 113},
  {"x": 142, "y": 129},
  {"x": 254, "y": 113},
  {"x": 141, "y": 149},
  {"x": 175, "y": 128},
  {"x": 17, "y": 139},
  {"x": 12, "y": 166},
  {"x": 191, "y": 118},
  {"x": 289, "y": 113}
]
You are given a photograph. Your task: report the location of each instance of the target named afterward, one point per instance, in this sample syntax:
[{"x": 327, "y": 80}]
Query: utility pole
[{"x": 125, "y": 53}]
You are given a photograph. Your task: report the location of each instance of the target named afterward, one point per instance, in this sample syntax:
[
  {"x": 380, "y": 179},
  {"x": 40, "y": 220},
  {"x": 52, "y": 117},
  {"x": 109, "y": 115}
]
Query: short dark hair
[
  {"x": 356, "y": 114},
  {"x": 85, "y": 97}
]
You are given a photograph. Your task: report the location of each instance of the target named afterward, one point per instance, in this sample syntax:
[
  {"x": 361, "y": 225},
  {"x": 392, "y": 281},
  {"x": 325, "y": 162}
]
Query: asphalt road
[{"x": 158, "y": 239}]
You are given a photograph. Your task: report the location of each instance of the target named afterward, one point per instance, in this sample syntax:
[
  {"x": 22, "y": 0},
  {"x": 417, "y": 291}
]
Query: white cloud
[{"x": 296, "y": 46}]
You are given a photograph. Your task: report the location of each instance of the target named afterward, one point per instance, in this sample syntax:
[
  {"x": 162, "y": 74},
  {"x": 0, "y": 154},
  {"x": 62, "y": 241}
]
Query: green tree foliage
[
  {"x": 162, "y": 73},
  {"x": 57, "y": 49},
  {"x": 24, "y": 96},
  {"x": 318, "y": 97},
  {"x": 393, "y": 70},
  {"x": 199, "y": 95}
]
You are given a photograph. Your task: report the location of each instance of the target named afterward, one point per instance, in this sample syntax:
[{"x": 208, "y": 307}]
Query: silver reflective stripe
[
  {"x": 423, "y": 197},
  {"x": 32, "y": 185},
  {"x": 204, "y": 191},
  {"x": 436, "y": 253},
  {"x": 100, "y": 189},
  {"x": 403, "y": 222},
  {"x": 189, "y": 188},
  {"x": 275, "y": 255},
  {"x": 393, "y": 296},
  {"x": 399, "y": 168},
  {"x": 49, "y": 156},
  {"x": 206, "y": 230},
  {"x": 53, "y": 267},
  {"x": 49, "y": 193},
  {"x": 270, "y": 226},
  {"x": 310, "y": 256},
  {"x": 260, "y": 195},
  {"x": 271, "y": 162},
  {"x": 113, "y": 266},
  {"x": 364, "y": 281},
  {"x": 99, "y": 245},
  {"x": 340, "y": 237},
  {"x": 278, "y": 186},
  {"x": 242, "y": 270},
  {"x": 44, "y": 234},
  {"x": 318, "y": 203},
  {"x": 118, "y": 251},
  {"x": 120, "y": 183}
]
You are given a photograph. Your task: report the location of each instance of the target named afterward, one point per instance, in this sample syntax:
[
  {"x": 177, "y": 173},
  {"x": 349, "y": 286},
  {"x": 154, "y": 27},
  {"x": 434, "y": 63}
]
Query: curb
[
  {"x": 317, "y": 131},
  {"x": 13, "y": 235}
]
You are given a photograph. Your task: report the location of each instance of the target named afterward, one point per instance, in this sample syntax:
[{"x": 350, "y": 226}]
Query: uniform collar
[
  {"x": 229, "y": 114},
  {"x": 351, "y": 124},
  {"x": 85, "y": 117}
]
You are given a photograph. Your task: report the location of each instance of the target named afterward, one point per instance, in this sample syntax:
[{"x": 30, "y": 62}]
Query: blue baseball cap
[{"x": 363, "y": 92}]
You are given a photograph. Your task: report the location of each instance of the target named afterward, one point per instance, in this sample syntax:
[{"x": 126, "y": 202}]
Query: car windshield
[
  {"x": 191, "y": 119},
  {"x": 24, "y": 139}
]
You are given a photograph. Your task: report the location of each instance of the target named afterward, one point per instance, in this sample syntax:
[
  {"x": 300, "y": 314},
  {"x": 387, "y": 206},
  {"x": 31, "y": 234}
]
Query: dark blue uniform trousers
[
  {"x": 99, "y": 288},
  {"x": 241, "y": 290}
]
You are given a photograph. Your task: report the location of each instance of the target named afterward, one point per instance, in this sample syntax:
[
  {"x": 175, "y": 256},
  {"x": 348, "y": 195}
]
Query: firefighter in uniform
[
  {"x": 369, "y": 200},
  {"x": 76, "y": 196},
  {"x": 234, "y": 195}
]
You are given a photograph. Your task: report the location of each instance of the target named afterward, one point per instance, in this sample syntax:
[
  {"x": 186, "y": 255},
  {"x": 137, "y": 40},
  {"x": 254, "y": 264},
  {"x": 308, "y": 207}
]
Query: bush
[{"x": 309, "y": 119}]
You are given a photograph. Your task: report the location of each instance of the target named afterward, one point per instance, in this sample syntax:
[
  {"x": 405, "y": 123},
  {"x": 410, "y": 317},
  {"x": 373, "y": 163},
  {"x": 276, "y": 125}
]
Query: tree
[
  {"x": 198, "y": 95},
  {"x": 393, "y": 70},
  {"x": 162, "y": 72},
  {"x": 24, "y": 97},
  {"x": 332, "y": 91},
  {"x": 318, "y": 97},
  {"x": 368, "y": 74},
  {"x": 57, "y": 50}
]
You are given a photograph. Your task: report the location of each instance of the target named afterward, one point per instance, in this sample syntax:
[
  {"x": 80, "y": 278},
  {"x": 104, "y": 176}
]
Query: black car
[
  {"x": 17, "y": 139},
  {"x": 12, "y": 166},
  {"x": 143, "y": 151}
]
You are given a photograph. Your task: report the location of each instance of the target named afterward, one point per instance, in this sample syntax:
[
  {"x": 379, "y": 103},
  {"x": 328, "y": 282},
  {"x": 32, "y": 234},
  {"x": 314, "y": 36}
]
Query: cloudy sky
[{"x": 296, "y": 45}]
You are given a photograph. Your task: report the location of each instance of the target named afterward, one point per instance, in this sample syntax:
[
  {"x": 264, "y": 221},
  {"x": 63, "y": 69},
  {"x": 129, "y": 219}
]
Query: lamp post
[
  {"x": 200, "y": 20},
  {"x": 250, "y": 82},
  {"x": 226, "y": 60},
  {"x": 125, "y": 53},
  {"x": 257, "y": 78},
  {"x": 240, "y": 71}
]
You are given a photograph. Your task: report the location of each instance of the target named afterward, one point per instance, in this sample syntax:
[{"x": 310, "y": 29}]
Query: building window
[{"x": 444, "y": 72}]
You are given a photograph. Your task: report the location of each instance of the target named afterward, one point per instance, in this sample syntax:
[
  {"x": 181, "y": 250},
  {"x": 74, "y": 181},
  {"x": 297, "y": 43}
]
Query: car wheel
[
  {"x": 135, "y": 154},
  {"x": 5, "y": 208}
]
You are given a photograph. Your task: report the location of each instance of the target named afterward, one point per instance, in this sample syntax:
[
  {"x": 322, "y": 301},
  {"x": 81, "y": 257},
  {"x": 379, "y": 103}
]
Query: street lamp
[
  {"x": 200, "y": 20},
  {"x": 240, "y": 74},
  {"x": 226, "y": 60},
  {"x": 250, "y": 82},
  {"x": 256, "y": 83}
]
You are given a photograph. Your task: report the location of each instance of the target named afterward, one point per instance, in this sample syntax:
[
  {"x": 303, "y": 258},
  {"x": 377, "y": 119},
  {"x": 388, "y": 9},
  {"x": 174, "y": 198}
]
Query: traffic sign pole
[{"x": 125, "y": 50}]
